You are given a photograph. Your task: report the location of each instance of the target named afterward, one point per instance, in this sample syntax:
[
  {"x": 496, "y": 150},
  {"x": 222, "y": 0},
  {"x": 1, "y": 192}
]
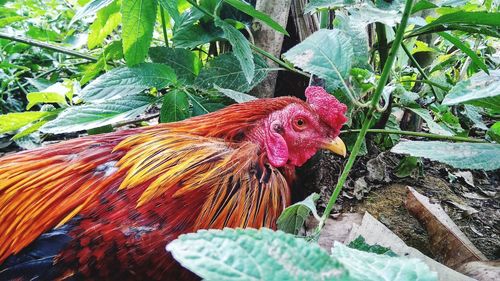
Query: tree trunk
[{"x": 270, "y": 40}]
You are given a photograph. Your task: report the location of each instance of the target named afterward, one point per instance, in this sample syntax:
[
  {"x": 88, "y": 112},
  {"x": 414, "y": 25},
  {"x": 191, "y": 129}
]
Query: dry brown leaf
[{"x": 448, "y": 243}]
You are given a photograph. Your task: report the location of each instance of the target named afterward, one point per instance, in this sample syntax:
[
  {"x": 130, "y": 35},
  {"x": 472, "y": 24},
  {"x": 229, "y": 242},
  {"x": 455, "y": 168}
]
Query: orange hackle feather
[{"x": 178, "y": 177}]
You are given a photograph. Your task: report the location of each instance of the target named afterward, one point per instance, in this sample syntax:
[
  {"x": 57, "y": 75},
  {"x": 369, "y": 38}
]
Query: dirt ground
[{"x": 471, "y": 198}]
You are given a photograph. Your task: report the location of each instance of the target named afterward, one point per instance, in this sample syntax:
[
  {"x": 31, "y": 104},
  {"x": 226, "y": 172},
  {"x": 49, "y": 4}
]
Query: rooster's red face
[{"x": 295, "y": 133}]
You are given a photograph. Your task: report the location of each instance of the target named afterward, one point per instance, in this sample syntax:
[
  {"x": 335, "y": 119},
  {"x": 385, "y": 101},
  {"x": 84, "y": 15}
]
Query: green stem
[
  {"x": 442, "y": 87},
  {"x": 47, "y": 46},
  {"x": 366, "y": 123},
  {"x": 164, "y": 25},
  {"x": 417, "y": 65},
  {"x": 415, "y": 134}
]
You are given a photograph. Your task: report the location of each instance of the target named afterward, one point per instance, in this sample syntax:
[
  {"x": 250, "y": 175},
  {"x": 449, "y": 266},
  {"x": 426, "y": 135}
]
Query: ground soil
[{"x": 373, "y": 186}]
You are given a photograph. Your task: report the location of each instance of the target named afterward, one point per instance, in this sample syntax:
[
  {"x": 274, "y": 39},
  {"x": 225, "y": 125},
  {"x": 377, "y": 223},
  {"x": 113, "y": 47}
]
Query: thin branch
[
  {"x": 417, "y": 65},
  {"x": 145, "y": 118},
  {"x": 47, "y": 46},
  {"x": 415, "y": 134}
]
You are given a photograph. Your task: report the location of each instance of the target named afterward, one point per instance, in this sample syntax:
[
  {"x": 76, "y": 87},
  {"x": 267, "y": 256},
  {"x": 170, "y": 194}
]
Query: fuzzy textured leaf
[
  {"x": 13, "y": 121},
  {"x": 235, "y": 95},
  {"x": 480, "y": 89},
  {"x": 326, "y": 53},
  {"x": 175, "y": 106},
  {"x": 294, "y": 216},
  {"x": 241, "y": 48},
  {"x": 482, "y": 156},
  {"x": 374, "y": 267},
  {"x": 225, "y": 72},
  {"x": 250, "y": 254},
  {"x": 138, "y": 21},
  {"x": 184, "y": 62},
  {"x": 125, "y": 81},
  {"x": 79, "y": 118},
  {"x": 106, "y": 21},
  {"x": 90, "y": 8}
]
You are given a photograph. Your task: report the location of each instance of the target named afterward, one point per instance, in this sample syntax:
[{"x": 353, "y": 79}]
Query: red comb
[{"x": 329, "y": 109}]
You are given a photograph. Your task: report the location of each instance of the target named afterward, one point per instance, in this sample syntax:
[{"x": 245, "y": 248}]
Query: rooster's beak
[{"x": 336, "y": 146}]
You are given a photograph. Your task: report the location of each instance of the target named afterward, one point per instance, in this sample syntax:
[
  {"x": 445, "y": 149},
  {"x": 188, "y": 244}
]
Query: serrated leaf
[
  {"x": 106, "y": 21},
  {"x": 225, "y": 72},
  {"x": 175, "y": 106},
  {"x": 326, "y": 53},
  {"x": 480, "y": 89},
  {"x": 125, "y": 81},
  {"x": 293, "y": 217},
  {"x": 138, "y": 21},
  {"x": 238, "y": 97},
  {"x": 13, "y": 121},
  {"x": 249, "y": 10},
  {"x": 84, "y": 117},
  {"x": 374, "y": 267},
  {"x": 241, "y": 48},
  {"x": 482, "y": 156},
  {"x": 90, "y": 8},
  {"x": 359, "y": 39},
  {"x": 184, "y": 62},
  {"x": 250, "y": 254}
]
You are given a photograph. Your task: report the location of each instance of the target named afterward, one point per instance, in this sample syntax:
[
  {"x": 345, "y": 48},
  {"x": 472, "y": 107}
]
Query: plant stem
[
  {"x": 416, "y": 134},
  {"x": 163, "y": 25},
  {"x": 47, "y": 46},
  {"x": 442, "y": 87},
  {"x": 368, "y": 119},
  {"x": 417, "y": 65},
  {"x": 383, "y": 48}
]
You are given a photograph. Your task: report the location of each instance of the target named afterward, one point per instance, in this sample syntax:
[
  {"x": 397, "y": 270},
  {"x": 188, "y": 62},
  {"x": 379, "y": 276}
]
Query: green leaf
[
  {"x": 462, "y": 18},
  {"x": 373, "y": 267},
  {"x": 366, "y": 13},
  {"x": 171, "y": 7},
  {"x": 13, "y": 121},
  {"x": 138, "y": 21},
  {"x": 326, "y": 53},
  {"x": 473, "y": 115},
  {"x": 434, "y": 127},
  {"x": 359, "y": 39},
  {"x": 185, "y": 63},
  {"x": 8, "y": 20},
  {"x": 250, "y": 254},
  {"x": 85, "y": 117},
  {"x": 293, "y": 217},
  {"x": 494, "y": 132},
  {"x": 90, "y": 8},
  {"x": 480, "y": 89},
  {"x": 35, "y": 98},
  {"x": 225, "y": 72},
  {"x": 125, "y": 81},
  {"x": 175, "y": 106},
  {"x": 192, "y": 36},
  {"x": 238, "y": 97},
  {"x": 106, "y": 21},
  {"x": 422, "y": 5},
  {"x": 482, "y": 156},
  {"x": 314, "y": 5},
  {"x": 458, "y": 43},
  {"x": 249, "y": 10},
  {"x": 360, "y": 244},
  {"x": 241, "y": 48}
]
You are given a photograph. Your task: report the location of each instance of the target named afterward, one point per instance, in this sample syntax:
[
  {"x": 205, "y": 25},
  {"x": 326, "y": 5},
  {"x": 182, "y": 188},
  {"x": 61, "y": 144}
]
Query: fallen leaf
[
  {"x": 481, "y": 270},
  {"x": 448, "y": 243}
]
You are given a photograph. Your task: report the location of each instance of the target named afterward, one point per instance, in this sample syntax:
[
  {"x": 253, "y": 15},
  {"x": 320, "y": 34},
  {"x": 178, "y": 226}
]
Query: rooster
[{"x": 103, "y": 207}]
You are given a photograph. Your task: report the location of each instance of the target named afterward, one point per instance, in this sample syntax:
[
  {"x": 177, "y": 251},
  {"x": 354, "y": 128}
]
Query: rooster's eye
[{"x": 299, "y": 124}]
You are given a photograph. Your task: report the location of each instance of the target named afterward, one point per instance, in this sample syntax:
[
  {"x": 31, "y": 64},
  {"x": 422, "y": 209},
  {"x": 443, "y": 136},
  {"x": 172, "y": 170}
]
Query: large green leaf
[
  {"x": 241, "y": 48},
  {"x": 79, "y": 118},
  {"x": 225, "y": 72},
  {"x": 250, "y": 254},
  {"x": 359, "y": 38},
  {"x": 366, "y": 13},
  {"x": 124, "y": 81},
  {"x": 462, "y": 18},
  {"x": 375, "y": 267},
  {"x": 55, "y": 93},
  {"x": 90, "y": 8},
  {"x": 175, "y": 106},
  {"x": 480, "y": 89},
  {"x": 171, "y": 7},
  {"x": 106, "y": 21},
  {"x": 235, "y": 95},
  {"x": 482, "y": 156},
  {"x": 13, "y": 121},
  {"x": 190, "y": 34},
  {"x": 138, "y": 21},
  {"x": 326, "y": 53},
  {"x": 185, "y": 63},
  {"x": 249, "y": 10},
  {"x": 314, "y": 5},
  {"x": 294, "y": 216}
]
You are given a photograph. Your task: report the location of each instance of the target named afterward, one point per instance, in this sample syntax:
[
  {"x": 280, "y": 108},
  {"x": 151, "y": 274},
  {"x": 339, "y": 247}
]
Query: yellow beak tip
[{"x": 336, "y": 146}]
